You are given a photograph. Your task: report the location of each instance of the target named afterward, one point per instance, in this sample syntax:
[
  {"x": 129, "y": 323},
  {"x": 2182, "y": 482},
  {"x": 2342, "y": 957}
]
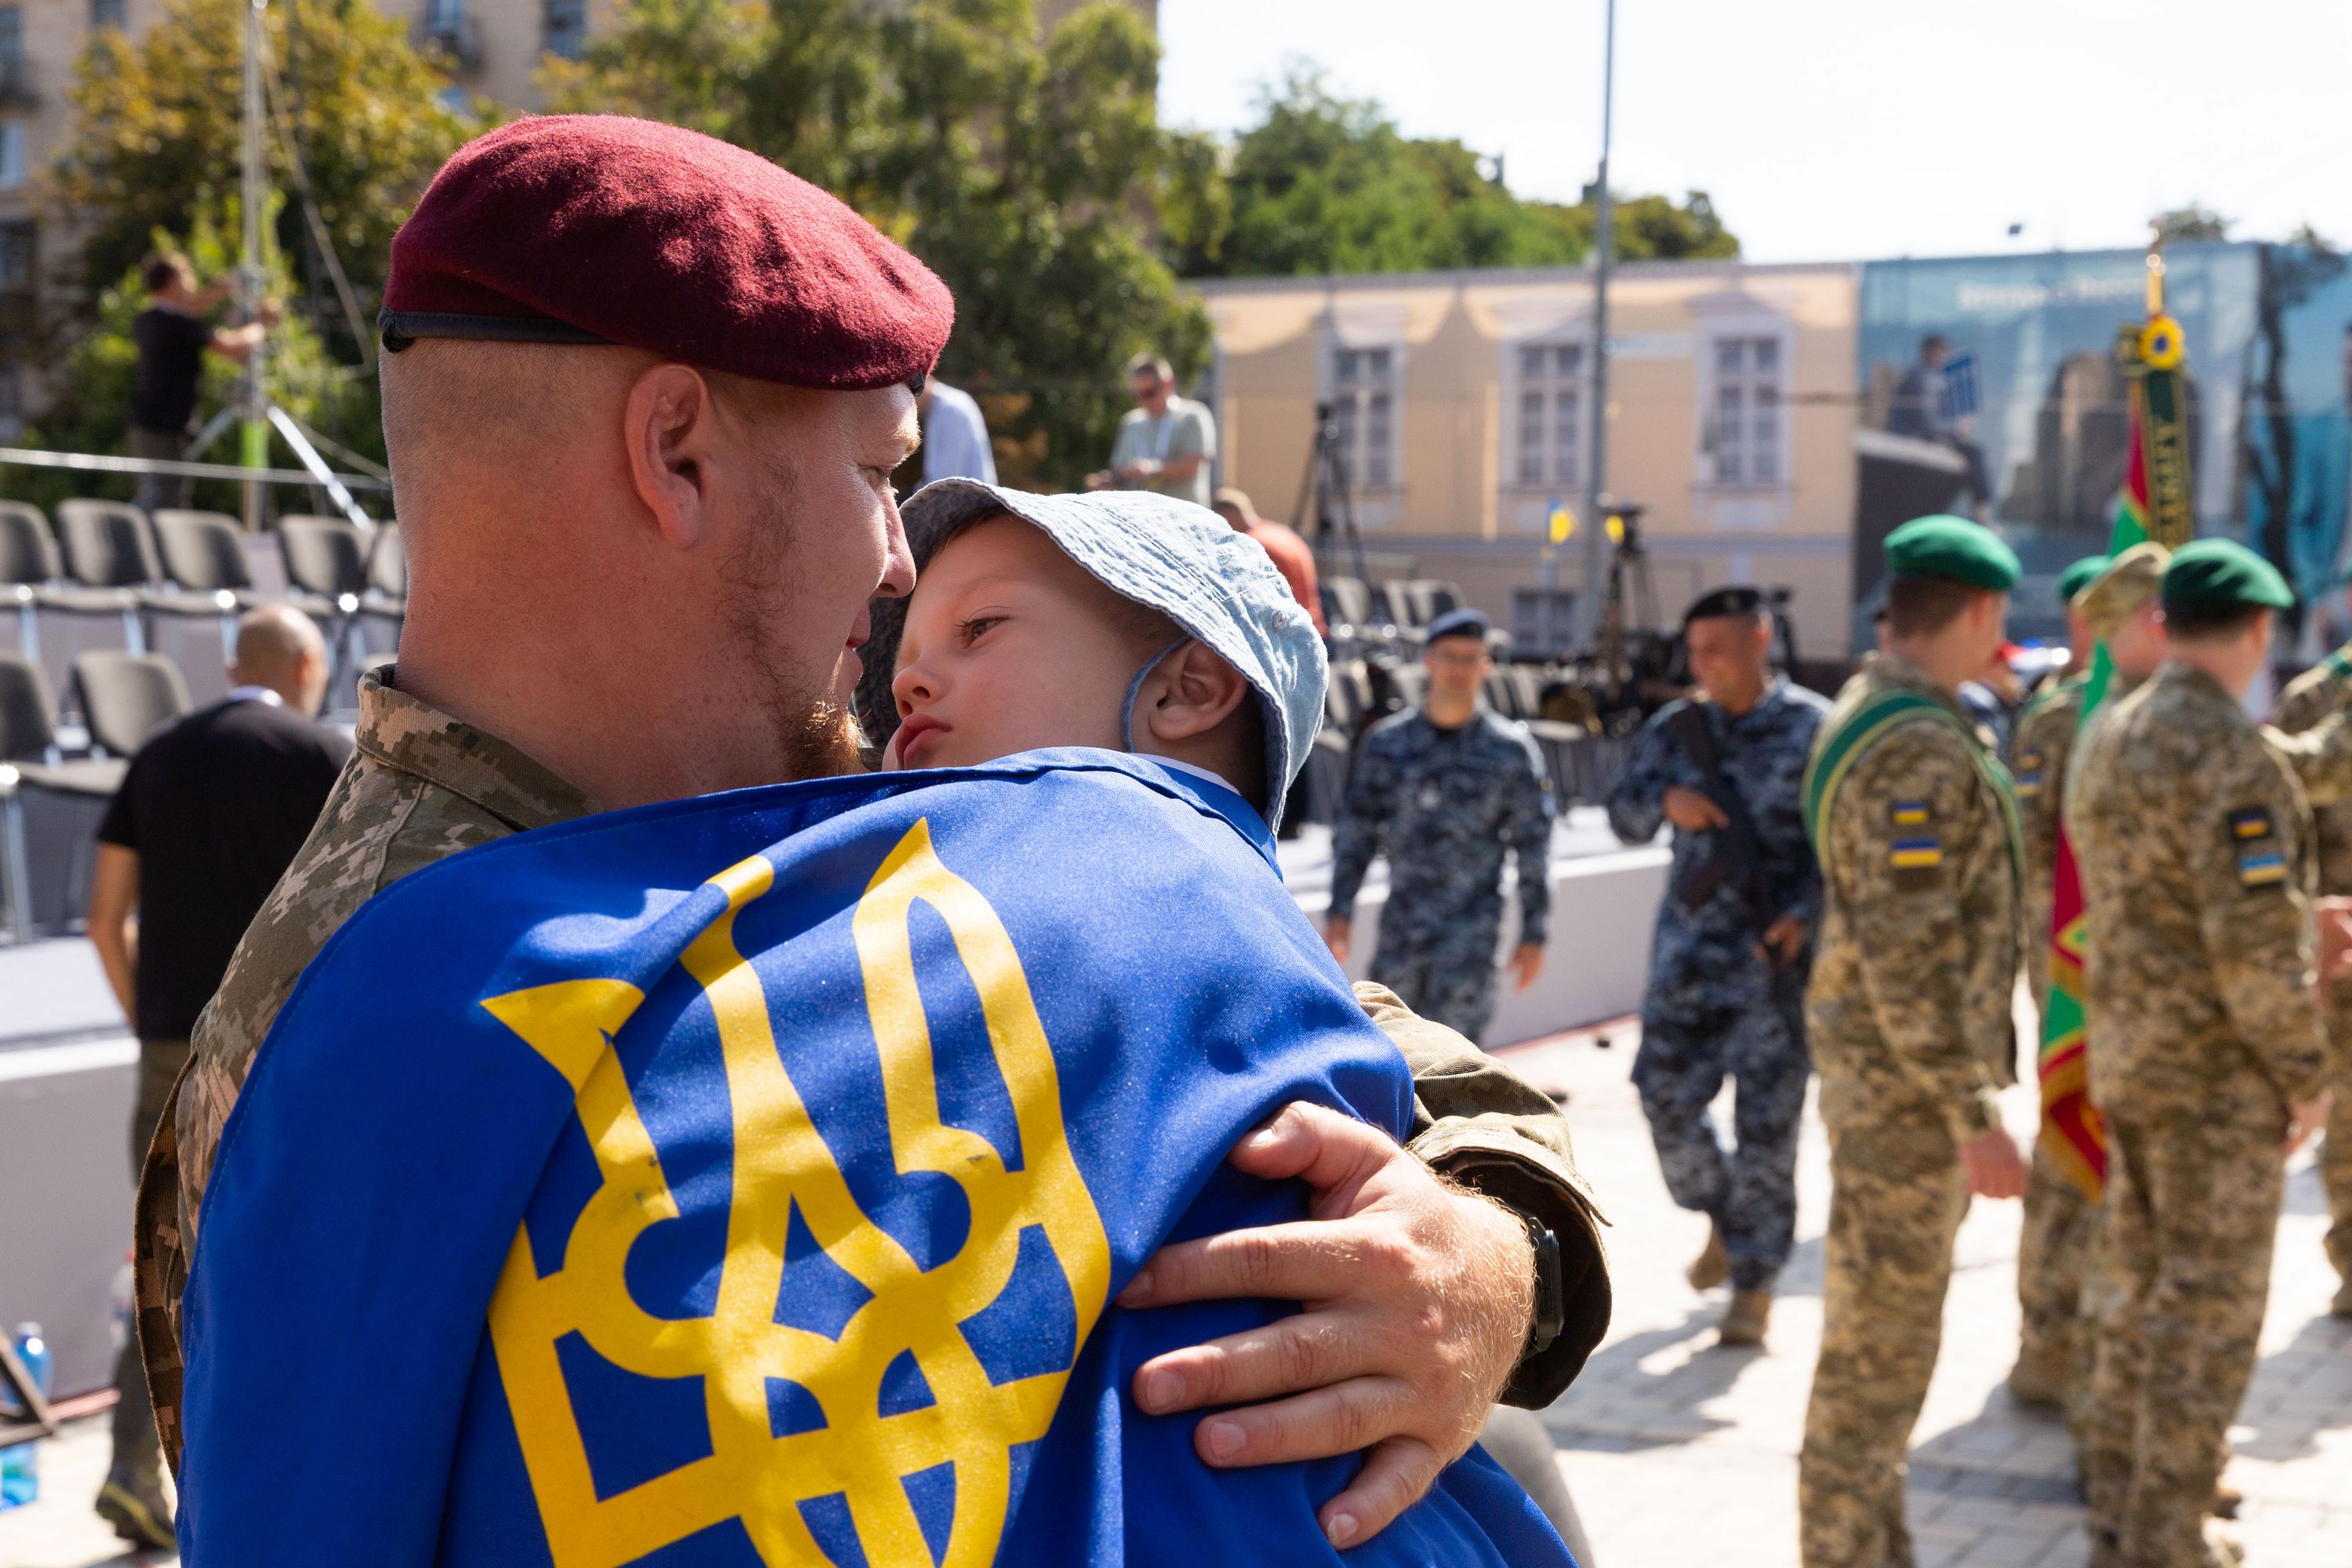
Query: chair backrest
[
  {"x": 1528, "y": 687},
  {"x": 1346, "y": 602},
  {"x": 1503, "y": 695},
  {"x": 323, "y": 555},
  {"x": 127, "y": 696},
  {"x": 1409, "y": 683},
  {"x": 1434, "y": 596},
  {"x": 29, "y": 712},
  {"x": 29, "y": 553},
  {"x": 1347, "y": 697},
  {"x": 202, "y": 550},
  {"x": 106, "y": 545},
  {"x": 387, "y": 566},
  {"x": 1398, "y": 599}
]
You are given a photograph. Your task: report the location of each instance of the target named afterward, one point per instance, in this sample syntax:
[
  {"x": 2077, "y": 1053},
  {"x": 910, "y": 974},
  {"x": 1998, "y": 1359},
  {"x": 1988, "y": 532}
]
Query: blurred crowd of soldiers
[{"x": 1857, "y": 889}]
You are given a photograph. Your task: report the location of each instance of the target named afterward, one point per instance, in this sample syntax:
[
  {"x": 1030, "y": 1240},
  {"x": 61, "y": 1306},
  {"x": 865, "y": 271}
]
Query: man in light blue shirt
[{"x": 955, "y": 437}]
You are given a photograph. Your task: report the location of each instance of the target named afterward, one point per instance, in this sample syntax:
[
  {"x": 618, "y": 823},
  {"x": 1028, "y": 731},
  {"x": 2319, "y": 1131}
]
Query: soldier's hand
[
  {"x": 1783, "y": 939},
  {"x": 1996, "y": 1170},
  {"x": 2307, "y": 1118},
  {"x": 1417, "y": 1299},
  {"x": 1691, "y": 811},
  {"x": 1527, "y": 963},
  {"x": 1337, "y": 930},
  {"x": 2334, "y": 938}
]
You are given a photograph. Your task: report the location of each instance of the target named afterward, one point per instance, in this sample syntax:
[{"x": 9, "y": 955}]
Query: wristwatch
[{"x": 1551, "y": 1294}]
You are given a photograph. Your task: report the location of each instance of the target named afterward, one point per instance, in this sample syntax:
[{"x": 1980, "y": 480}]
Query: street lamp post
[
  {"x": 253, "y": 186},
  {"x": 1596, "y": 459}
]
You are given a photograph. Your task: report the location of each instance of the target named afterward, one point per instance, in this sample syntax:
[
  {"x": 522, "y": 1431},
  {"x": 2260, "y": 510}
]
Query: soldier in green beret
[
  {"x": 1908, "y": 1013},
  {"x": 2208, "y": 1048}
]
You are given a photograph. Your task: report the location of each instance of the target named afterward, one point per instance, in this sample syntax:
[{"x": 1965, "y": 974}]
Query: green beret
[
  {"x": 2215, "y": 572},
  {"x": 2077, "y": 578},
  {"x": 1954, "y": 549}
]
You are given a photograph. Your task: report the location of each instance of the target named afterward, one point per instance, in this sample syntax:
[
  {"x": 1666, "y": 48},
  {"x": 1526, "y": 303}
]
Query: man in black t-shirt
[
  {"x": 208, "y": 817},
  {"x": 173, "y": 337}
]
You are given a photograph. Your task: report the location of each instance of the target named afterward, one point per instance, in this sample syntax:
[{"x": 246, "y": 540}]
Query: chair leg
[
  {"x": 134, "y": 631},
  {"x": 19, "y": 878}
]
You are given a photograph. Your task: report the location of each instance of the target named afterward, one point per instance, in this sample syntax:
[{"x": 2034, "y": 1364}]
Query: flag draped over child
[
  {"x": 746, "y": 1180},
  {"x": 2155, "y": 505}
]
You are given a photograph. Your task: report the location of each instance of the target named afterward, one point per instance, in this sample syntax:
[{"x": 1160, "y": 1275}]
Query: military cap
[
  {"x": 1465, "y": 622},
  {"x": 1954, "y": 549},
  {"x": 2213, "y": 573},
  {"x": 1735, "y": 600},
  {"x": 2129, "y": 581},
  {"x": 599, "y": 229},
  {"x": 2078, "y": 576}
]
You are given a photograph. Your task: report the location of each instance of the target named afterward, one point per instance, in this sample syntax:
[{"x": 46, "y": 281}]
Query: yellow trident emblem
[{"x": 782, "y": 1163}]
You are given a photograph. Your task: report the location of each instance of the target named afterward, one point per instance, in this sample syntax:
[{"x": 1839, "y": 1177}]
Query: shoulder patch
[
  {"x": 2251, "y": 822},
  {"x": 2029, "y": 765},
  {"x": 1908, "y": 813},
  {"x": 2262, "y": 863}
]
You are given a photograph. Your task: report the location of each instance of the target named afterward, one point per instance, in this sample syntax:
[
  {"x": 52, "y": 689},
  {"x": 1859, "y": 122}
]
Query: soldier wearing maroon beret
[{"x": 642, "y": 395}]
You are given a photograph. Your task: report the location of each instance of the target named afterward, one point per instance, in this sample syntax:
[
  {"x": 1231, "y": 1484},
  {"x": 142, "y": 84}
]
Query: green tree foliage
[
  {"x": 1023, "y": 168},
  {"x": 154, "y": 141},
  {"x": 2192, "y": 222},
  {"x": 1323, "y": 183}
]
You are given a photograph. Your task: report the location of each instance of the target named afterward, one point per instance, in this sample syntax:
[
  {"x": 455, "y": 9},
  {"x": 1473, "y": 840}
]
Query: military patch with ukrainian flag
[
  {"x": 2029, "y": 775},
  {"x": 2262, "y": 863},
  {"x": 1909, "y": 813}
]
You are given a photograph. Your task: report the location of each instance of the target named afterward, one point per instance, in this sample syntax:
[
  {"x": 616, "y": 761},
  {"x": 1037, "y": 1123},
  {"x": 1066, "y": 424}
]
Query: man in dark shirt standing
[
  {"x": 208, "y": 819},
  {"x": 173, "y": 337}
]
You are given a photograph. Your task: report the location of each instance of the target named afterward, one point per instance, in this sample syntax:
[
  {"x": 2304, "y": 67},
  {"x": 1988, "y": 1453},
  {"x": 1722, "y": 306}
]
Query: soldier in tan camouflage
[
  {"x": 1909, "y": 1016},
  {"x": 2113, "y": 599},
  {"x": 2207, "y": 1050},
  {"x": 2322, "y": 692},
  {"x": 633, "y": 578}
]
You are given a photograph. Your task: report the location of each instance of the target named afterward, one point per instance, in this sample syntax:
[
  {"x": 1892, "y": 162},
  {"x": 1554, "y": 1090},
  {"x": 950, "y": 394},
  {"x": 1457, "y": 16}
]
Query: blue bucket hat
[{"x": 1219, "y": 587}]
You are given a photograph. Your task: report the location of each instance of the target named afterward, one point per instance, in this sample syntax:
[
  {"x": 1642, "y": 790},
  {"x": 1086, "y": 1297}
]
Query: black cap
[
  {"x": 1461, "y": 623},
  {"x": 1738, "y": 599}
]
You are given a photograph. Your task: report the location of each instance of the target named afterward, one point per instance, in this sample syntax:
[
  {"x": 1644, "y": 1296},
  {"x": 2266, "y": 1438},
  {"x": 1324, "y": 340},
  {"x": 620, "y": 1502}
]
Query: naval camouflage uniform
[
  {"x": 1909, "y": 1018},
  {"x": 422, "y": 785},
  {"x": 2199, "y": 877},
  {"x": 1713, "y": 1007},
  {"x": 2318, "y": 694},
  {"x": 1446, "y": 805},
  {"x": 2055, "y": 1243}
]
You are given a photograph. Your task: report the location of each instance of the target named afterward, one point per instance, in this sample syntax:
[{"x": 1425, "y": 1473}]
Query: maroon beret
[{"x": 597, "y": 229}]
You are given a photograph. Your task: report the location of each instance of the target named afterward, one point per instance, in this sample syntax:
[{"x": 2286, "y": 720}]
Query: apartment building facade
[{"x": 1461, "y": 403}]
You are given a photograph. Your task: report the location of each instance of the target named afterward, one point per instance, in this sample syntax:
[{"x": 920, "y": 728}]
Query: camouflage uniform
[
  {"x": 1909, "y": 1018},
  {"x": 1446, "y": 805},
  {"x": 2313, "y": 697},
  {"x": 1712, "y": 1006},
  {"x": 2205, "y": 1025},
  {"x": 2059, "y": 1218},
  {"x": 422, "y": 785}
]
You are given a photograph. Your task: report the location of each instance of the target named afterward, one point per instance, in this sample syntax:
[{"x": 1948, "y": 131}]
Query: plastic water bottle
[{"x": 20, "y": 1465}]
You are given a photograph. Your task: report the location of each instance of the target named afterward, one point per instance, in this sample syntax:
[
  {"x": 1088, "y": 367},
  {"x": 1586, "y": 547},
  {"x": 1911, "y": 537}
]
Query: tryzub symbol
[{"x": 893, "y": 1424}]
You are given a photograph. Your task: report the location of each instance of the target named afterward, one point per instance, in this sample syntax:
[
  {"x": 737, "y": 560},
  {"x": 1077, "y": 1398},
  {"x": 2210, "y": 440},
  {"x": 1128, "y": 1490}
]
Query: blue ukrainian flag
[{"x": 746, "y": 1180}]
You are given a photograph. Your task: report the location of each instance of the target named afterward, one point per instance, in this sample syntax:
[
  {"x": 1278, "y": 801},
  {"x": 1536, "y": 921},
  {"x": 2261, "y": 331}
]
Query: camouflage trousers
[
  {"x": 2335, "y": 1159},
  {"x": 2052, "y": 1251},
  {"x": 1750, "y": 1192},
  {"x": 1451, "y": 983},
  {"x": 137, "y": 1455},
  {"x": 2192, "y": 1215},
  {"x": 1897, "y": 1195}
]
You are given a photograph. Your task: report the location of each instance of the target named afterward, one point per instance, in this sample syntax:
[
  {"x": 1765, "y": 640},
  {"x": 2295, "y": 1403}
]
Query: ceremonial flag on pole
[
  {"x": 2155, "y": 505},
  {"x": 749, "y": 1179}
]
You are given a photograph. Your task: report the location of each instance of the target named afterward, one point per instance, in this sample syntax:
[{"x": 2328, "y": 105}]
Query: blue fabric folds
[{"x": 746, "y": 1180}]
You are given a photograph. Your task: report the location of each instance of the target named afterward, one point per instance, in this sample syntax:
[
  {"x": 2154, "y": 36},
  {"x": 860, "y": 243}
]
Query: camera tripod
[{"x": 1324, "y": 486}]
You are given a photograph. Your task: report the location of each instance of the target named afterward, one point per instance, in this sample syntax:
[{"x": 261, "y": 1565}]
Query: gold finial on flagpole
[{"x": 2154, "y": 269}]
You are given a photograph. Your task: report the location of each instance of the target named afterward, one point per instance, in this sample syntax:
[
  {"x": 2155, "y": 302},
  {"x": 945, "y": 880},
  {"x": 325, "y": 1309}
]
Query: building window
[
  {"x": 1744, "y": 425},
  {"x": 1364, "y": 406},
  {"x": 1550, "y": 425},
  {"x": 16, "y": 256},
  {"x": 11, "y": 155},
  {"x": 444, "y": 15},
  {"x": 106, "y": 13},
  {"x": 12, "y": 49},
  {"x": 567, "y": 28}
]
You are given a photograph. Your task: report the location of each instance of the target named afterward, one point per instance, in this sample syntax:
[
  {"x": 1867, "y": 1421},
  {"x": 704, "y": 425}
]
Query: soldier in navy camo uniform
[
  {"x": 1447, "y": 800},
  {"x": 1720, "y": 1000}
]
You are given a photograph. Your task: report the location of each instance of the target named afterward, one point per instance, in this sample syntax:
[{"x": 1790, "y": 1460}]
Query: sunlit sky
[{"x": 1844, "y": 129}]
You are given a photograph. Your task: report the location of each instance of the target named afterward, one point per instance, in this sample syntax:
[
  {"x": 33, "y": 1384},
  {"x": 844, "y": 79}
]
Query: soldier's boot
[
  {"x": 2220, "y": 1550},
  {"x": 1745, "y": 1320},
  {"x": 136, "y": 1508},
  {"x": 2342, "y": 1305},
  {"x": 2039, "y": 1378},
  {"x": 1711, "y": 1267},
  {"x": 2227, "y": 1500}
]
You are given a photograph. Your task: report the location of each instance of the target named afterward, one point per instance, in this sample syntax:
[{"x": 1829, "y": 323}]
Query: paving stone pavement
[{"x": 1683, "y": 1455}]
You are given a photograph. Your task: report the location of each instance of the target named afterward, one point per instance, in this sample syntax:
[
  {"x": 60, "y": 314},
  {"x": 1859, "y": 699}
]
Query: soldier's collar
[{"x": 402, "y": 731}]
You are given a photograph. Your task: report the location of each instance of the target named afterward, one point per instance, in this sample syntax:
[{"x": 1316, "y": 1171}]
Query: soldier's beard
[{"x": 816, "y": 736}]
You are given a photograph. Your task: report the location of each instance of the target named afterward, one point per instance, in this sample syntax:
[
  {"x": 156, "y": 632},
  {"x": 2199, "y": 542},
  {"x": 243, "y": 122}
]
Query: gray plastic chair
[
  {"x": 107, "y": 544},
  {"x": 28, "y": 745},
  {"x": 127, "y": 696},
  {"x": 387, "y": 572},
  {"x": 324, "y": 556},
  {"x": 203, "y": 552}
]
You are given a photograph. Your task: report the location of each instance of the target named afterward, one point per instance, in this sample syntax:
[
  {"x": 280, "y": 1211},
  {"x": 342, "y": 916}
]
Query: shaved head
[{"x": 278, "y": 646}]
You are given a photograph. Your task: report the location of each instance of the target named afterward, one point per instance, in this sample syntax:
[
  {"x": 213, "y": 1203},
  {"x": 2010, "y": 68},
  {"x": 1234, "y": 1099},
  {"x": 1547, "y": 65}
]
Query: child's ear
[{"x": 1192, "y": 693}]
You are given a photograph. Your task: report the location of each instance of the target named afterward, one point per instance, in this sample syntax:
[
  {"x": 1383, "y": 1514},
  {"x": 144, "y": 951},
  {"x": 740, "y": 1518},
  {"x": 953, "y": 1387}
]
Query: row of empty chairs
[{"x": 1367, "y": 614}]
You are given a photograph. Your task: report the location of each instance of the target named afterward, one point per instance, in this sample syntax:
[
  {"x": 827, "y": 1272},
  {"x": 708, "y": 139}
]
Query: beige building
[{"x": 1461, "y": 404}]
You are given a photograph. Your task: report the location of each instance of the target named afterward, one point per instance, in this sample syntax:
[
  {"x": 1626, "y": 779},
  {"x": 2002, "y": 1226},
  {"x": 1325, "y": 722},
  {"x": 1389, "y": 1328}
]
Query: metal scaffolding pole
[
  {"x": 254, "y": 197},
  {"x": 1596, "y": 462}
]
